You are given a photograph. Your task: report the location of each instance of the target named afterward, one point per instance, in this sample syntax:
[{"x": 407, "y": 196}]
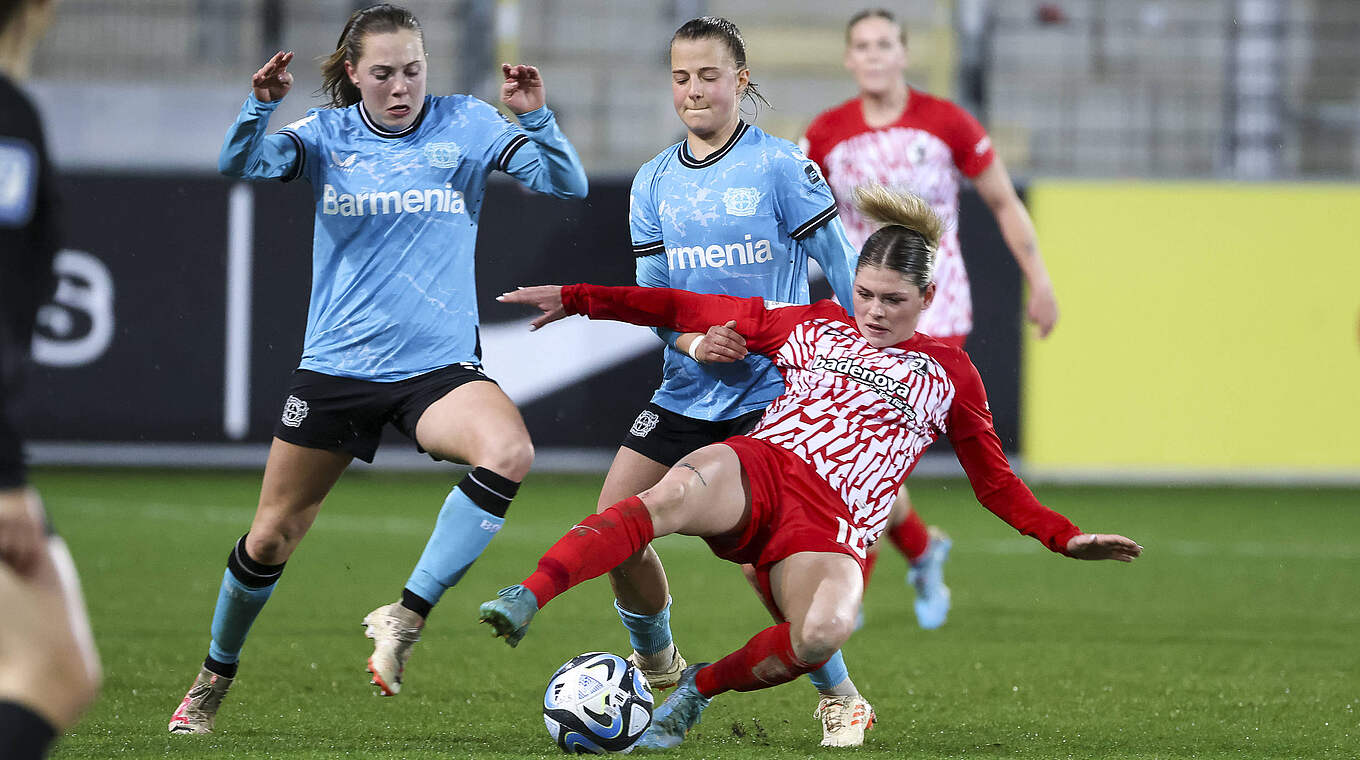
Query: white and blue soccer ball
[{"x": 597, "y": 703}]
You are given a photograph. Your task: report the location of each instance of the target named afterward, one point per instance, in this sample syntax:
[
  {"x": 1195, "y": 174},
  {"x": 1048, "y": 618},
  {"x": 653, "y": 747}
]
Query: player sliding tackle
[{"x": 803, "y": 494}]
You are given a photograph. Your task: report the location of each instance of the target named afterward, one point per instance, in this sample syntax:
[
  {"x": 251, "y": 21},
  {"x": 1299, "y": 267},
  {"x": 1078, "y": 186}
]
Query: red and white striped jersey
[
  {"x": 860, "y": 416},
  {"x": 925, "y": 151}
]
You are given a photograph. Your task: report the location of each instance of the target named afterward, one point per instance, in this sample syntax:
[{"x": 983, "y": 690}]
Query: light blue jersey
[
  {"x": 741, "y": 222},
  {"x": 393, "y": 291}
]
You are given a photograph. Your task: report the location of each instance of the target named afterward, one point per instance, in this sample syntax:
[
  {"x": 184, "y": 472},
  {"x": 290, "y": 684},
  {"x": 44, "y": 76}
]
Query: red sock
[
  {"x": 910, "y": 537},
  {"x": 592, "y": 548},
  {"x": 766, "y": 660}
]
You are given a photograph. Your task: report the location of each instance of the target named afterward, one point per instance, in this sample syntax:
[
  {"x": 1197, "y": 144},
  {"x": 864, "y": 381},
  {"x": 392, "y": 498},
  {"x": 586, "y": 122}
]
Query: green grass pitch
[{"x": 1236, "y": 636}]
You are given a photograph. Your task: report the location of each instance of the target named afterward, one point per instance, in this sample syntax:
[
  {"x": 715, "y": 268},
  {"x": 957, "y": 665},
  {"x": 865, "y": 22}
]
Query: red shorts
[{"x": 792, "y": 509}]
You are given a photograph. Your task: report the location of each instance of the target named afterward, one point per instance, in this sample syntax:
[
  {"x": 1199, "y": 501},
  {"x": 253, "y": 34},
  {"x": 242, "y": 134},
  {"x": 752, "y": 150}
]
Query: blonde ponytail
[{"x": 909, "y": 238}]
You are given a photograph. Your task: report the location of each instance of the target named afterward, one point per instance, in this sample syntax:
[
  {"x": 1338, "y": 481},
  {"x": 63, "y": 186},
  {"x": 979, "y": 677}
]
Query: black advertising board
[{"x": 184, "y": 299}]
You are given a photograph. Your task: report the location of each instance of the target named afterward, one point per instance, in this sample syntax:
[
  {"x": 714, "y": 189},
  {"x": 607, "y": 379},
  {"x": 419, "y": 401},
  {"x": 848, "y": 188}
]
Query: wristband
[{"x": 694, "y": 348}]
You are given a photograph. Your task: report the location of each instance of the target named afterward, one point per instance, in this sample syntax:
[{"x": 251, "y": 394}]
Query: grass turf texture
[{"x": 1233, "y": 637}]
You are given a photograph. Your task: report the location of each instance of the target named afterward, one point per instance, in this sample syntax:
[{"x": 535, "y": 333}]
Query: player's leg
[
  {"x": 706, "y": 494},
  {"x": 473, "y": 422},
  {"x": 832, "y": 679},
  {"x": 641, "y": 592},
  {"x": 926, "y": 549},
  {"x": 819, "y": 593},
  {"x": 296, "y": 481}
]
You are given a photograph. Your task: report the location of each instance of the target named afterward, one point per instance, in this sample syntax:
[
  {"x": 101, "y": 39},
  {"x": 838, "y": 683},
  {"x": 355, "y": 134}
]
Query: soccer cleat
[
  {"x": 197, "y": 712},
  {"x": 927, "y": 577},
  {"x": 394, "y": 630},
  {"x": 510, "y": 612},
  {"x": 844, "y": 720},
  {"x": 677, "y": 715},
  {"x": 661, "y": 678}
]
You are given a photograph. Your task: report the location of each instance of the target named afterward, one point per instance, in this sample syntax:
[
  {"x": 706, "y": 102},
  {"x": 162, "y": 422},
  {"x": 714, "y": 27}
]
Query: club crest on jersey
[
  {"x": 644, "y": 424},
  {"x": 294, "y": 411},
  {"x": 444, "y": 155},
  {"x": 741, "y": 201}
]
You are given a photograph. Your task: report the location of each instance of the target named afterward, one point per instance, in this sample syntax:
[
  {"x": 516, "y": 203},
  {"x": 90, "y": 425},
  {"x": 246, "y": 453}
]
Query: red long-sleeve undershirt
[{"x": 996, "y": 486}]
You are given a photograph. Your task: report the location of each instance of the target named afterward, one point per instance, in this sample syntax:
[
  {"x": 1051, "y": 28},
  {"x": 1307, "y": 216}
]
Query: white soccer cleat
[
  {"x": 844, "y": 720},
  {"x": 197, "y": 712},
  {"x": 663, "y": 676},
  {"x": 394, "y": 630}
]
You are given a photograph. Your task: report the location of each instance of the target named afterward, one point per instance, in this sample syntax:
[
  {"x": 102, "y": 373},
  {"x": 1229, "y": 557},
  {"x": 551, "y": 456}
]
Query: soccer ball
[{"x": 597, "y": 703}]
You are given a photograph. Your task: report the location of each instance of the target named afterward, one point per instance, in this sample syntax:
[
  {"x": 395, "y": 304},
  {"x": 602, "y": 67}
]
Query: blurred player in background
[
  {"x": 802, "y": 495},
  {"x": 894, "y": 135},
  {"x": 392, "y": 332},
  {"x": 49, "y": 670},
  {"x": 735, "y": 211}
]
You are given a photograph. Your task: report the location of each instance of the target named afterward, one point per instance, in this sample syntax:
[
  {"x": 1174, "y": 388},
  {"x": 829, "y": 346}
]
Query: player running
[
  {"x": 905, "y": 139},
  {"x": 803, "y": 494},
  {"x": 735, "y": 211},
  {"x": 398, "y": 178}
]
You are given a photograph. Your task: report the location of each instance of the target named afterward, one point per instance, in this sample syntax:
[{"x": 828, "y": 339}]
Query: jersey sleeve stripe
[
  {"x": 302, "y": 155},
  {"x": 503, "y": 160},
  {"x": 647, "y": 249},
  {"x": 811, "y": 225}
]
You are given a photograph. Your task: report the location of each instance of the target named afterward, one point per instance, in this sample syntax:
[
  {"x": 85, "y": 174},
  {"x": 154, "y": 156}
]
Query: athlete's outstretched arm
[
  {"x": 765, "y": 329},
  {"x": 837, "y": 256},
  {"x": 247, "y": 152},
  {"x": 1002, "y": 492},
  {"x": 548, "y": 163}
]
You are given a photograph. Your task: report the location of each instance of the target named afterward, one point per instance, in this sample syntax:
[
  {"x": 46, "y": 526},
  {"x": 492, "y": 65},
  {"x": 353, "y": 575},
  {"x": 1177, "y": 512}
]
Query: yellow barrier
[{"x": 1208, "y": 326}]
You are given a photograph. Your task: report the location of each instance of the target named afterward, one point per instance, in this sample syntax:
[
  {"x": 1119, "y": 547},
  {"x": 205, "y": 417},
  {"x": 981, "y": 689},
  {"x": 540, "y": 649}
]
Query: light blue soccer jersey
[
  {"x": 393, "y": 292},
  {"x": 741, "y": 222}
]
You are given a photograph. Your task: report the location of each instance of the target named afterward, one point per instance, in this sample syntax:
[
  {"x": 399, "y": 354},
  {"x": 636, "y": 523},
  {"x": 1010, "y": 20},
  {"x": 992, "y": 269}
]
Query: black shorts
[
  {"x": 344, "y": 414},
  {"x": 666, "y": 437}
]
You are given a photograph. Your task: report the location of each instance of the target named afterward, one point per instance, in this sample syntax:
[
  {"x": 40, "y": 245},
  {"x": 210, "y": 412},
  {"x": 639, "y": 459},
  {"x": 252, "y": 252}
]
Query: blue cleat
[
  {"x": 677, "y": 715},
  {"x": 510, "y": 612},
  {"x": 927, "y": 577}
]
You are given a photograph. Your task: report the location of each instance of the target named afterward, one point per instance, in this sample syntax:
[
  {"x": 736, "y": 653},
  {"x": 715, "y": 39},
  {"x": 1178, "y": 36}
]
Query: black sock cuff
[
  {"x": 24, "y": 732},
  {"x": 416, "y": 603},
  {"x": 250, "y": 572},
  {"x": 224, "y": 669},
  {"x": 489, "y": 491}
]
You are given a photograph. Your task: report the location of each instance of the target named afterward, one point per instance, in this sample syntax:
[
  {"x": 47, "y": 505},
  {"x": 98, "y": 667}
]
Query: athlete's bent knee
[
  {"x": 510, "y": 458},
  {"x": 820, "y": 636}
]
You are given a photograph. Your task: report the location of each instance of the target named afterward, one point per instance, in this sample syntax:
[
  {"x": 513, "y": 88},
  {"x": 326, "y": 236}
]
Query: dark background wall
[{"x": 163, "y": 240}]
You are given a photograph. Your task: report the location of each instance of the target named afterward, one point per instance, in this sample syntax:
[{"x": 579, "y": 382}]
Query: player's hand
[
  {"x": 22, "y": 534},
  {"x": 1103, "y": 546},
  {"x": 722, "y": 344},
  {"x": 1042, "y": 309},
  {"x": 546, "y": 298},
  {"x": 273, "y": 80},
  {"x": 523, "y": 88}
]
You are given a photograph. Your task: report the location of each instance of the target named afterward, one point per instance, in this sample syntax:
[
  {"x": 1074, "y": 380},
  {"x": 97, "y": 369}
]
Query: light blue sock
[
  {"x": 649, "y": 634},
  {"x": 237, "y": 606},
  {"x": 460, "y": 535},
  {"x": 831, "y": 673}
]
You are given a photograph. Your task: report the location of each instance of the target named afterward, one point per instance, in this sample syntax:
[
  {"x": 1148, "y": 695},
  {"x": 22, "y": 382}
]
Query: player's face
[
  {"x": 705, "y": 85},
  {"x": 390, "y": 75},
  {"x": 875, "y": 55},
  {"x": 888, "y": 305}
]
